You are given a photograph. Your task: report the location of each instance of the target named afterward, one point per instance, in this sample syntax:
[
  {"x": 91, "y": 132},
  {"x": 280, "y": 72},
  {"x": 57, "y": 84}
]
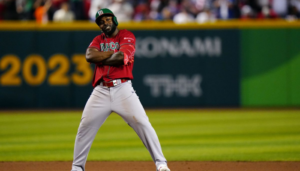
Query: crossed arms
[{"x": 105, "y": 58}]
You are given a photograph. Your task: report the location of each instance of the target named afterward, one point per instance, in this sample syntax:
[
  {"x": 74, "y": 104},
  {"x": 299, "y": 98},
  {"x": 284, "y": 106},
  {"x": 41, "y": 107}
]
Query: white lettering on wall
[
  {"x": 151, "y": 47},
  {"x": 182, "y": 85}
]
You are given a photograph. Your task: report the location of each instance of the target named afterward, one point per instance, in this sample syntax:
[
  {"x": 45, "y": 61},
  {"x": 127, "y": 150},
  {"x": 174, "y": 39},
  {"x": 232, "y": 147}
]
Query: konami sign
[{"x": 151, "y": 47}]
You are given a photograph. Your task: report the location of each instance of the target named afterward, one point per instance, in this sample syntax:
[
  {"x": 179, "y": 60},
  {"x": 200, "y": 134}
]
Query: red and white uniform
[
  {"x": 124, "y": 41},
  {"x": 120, "y": 98}
]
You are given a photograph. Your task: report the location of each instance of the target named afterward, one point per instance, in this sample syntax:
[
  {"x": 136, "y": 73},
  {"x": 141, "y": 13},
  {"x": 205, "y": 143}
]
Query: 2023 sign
[{"x": 58, "y": 65}]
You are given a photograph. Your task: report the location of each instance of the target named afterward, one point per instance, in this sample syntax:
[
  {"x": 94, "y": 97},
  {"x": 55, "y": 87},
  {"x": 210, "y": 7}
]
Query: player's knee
[{"x": 144, "y": 124}]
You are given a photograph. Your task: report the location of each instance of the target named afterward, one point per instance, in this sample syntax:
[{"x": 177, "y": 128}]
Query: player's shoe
[
  {"x": 76, "y": 168},
  {"x": 163, "y": 168}
]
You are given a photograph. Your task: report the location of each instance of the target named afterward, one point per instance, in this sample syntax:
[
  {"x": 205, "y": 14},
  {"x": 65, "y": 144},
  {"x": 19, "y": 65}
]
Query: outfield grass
[{"x": 202, "y": 135}]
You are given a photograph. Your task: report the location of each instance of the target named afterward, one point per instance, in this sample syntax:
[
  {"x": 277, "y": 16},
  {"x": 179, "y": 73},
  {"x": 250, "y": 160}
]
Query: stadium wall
[
  {"x": 223, "y": 64},
  {"x": 270, "y": 67}
]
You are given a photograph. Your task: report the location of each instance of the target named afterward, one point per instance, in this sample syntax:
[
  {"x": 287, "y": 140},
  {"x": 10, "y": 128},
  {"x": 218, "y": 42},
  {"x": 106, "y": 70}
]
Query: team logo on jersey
[
  {"x": 109, "y": 46},
  {"x": 129, "y": 39}
]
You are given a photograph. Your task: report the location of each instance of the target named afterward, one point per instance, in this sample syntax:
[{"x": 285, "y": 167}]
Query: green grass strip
[{"x": 185, "y": 135}]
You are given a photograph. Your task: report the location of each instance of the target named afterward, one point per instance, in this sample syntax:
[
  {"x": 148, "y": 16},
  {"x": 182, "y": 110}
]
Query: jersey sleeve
[
  {"x": 127, "y": 38},
  {"x": 127, "y": 46},
  {"x": 95, "y": 43}
]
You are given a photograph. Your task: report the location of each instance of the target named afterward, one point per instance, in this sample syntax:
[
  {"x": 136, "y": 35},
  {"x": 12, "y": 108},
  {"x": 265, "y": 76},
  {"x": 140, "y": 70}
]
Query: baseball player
[{"x": 113, "y": 54}]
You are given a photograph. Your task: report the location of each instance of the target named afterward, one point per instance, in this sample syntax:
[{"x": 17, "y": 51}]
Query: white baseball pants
[{"x": 122, "y": 100}]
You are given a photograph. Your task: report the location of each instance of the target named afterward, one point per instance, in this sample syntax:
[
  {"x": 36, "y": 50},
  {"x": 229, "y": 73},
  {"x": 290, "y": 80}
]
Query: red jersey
[{"x": 103, "y": 43}]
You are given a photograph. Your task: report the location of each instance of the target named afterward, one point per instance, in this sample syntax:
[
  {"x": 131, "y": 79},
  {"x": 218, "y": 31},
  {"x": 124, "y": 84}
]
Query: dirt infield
[{"x": 149, "y": 166}]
